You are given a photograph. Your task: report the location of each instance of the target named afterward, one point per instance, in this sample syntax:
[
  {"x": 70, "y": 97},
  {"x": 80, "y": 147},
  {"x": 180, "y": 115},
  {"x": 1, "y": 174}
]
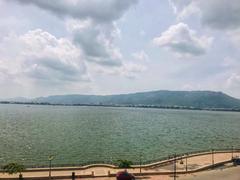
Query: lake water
[{"x": 76, "y": 135}]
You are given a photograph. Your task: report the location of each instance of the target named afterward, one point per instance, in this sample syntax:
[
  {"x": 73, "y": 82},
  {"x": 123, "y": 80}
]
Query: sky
[{"x": 118, "y": 46}]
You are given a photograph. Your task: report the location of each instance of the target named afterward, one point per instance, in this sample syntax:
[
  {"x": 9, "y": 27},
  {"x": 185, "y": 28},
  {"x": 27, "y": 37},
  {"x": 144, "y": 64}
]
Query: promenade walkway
[
  {"x": 225, "y": 173},
  {"x": 164, "y": 169}
]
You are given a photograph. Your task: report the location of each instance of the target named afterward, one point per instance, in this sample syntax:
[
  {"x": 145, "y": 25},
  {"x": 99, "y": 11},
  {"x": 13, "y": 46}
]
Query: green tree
[
  {"x": 124, "y": 163},
  {"x": 13, "y": 168}
]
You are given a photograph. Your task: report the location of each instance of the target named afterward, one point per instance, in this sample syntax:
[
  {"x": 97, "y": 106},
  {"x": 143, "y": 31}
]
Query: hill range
[{"x": 162, "y": 98}]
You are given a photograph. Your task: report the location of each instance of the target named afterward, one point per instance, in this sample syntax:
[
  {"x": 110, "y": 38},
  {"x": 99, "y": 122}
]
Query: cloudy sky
[{"x": 118, "y": 46}]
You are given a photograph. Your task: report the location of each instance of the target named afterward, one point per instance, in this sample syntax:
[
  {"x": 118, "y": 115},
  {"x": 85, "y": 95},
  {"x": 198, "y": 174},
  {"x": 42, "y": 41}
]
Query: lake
[{"x": 75, "y": 135}]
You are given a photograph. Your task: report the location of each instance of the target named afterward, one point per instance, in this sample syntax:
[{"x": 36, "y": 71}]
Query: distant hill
[
  {"x": 16, "y": 99},
  {"x": 194, "y": 99}
]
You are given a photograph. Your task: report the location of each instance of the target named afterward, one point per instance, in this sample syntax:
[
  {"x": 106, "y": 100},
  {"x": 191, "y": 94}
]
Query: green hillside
[{"x": 196, "y": 99}]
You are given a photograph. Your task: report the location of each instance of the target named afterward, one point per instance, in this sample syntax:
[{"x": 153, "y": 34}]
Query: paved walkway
[
  {"x": 230, "y": 173},
  {"x": 226, "y": 173},
  {"x": 193, "y": 163}
]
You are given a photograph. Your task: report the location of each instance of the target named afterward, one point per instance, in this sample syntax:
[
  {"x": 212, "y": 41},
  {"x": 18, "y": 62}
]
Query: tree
[
  {"x": 13, "y": 168},
  {"x": 124, "y": 163}
]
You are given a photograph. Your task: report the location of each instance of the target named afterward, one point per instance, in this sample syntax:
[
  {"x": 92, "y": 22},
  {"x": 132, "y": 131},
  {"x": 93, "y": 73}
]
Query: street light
[
  {"x": 140, "y": 158},
  {"x": 212, "y": 157},
  {"x": 111, "y": 160},
  {"x": 186, "y": 162},
  {"x": 174, "y": 168},
  {"x": 50, "y": 158}
]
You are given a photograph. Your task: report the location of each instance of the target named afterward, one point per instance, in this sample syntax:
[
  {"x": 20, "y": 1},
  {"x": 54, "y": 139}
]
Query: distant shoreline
[{"x": 127, "y": 105}]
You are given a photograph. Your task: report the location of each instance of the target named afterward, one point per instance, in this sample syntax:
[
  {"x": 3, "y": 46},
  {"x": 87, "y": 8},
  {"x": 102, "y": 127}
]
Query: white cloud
[
  {"x": 229, "y": 62},
  {"x": 233, "y": 82},
  {"x": 234, "y": 36},
  {"x": 141, "y": 56},
  {"x": 183, "y": 41},
  {"x": 188, "y": 87},
  {"x": 39, "y": 57},
  {"x": 183, "y": 9},
  {"x": 73, "y": 25},
  {"x": 142, "y": 33},
  {"x": 129, "y": 70}
]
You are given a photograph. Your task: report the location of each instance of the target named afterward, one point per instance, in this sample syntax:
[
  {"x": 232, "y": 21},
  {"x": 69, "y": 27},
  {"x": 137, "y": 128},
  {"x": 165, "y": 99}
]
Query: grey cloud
[
  {"x": 97, "y": 42},
  {"x": 106, "y": 61},
  {"x": 216, "y": 14},
  {"x": 98, "y": 10},
  {"x": 90, "y": 43},
  {"x": 53, "y": 70},
  {"x": 221, "y": 14},
  {"x": 188, "y": 48}
]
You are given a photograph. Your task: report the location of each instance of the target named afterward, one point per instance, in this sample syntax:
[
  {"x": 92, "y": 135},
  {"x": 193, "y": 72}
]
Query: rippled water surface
[{"x": 75, "y": 135}]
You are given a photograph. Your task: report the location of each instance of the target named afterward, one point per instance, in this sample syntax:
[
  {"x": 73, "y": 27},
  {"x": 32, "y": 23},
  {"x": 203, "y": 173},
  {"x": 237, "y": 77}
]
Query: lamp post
[
  {"x": 111, "y": 160},
  {"x": 212, "y": 157},
  {"x": 186, "y": 162},
  {"x": 50, "y": 158},
  {"x": 140, "y": 161},
  {"x": 174, "y": 167}
]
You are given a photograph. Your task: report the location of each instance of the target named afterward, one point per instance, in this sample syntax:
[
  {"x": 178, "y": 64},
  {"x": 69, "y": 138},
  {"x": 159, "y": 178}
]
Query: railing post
[
  {"x": 20, "y": 176},
  {"x": 73, "y": 175}
]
